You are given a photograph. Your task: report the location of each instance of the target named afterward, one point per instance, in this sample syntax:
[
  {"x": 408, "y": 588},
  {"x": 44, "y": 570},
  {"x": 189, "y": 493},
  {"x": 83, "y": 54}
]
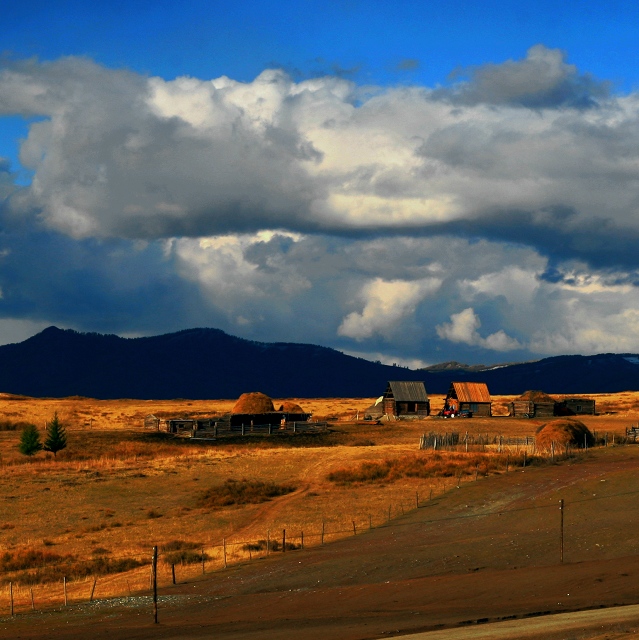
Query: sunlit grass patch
[{"x": 435, "y": 465}]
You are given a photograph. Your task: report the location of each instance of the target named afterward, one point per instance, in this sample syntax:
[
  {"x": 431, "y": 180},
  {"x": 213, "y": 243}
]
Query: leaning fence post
[
  {"x": 354, "y": 528},
  {"x": 173, "y": 572}
]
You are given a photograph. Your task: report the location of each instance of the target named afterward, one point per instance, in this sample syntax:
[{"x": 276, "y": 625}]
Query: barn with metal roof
[
  {"x": 470, "y": 397},
  {"x": 406, "y": 398}
]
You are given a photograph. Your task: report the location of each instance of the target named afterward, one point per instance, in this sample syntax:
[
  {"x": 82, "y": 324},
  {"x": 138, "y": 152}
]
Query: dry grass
[
  {"x": 242, "y": 492},
  {"x": 117, "y": 487},
  {"x": 424, "y": 465}
]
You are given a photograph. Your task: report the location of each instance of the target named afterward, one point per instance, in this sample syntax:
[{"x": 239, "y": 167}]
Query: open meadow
[{"x": 95, "y": 511}]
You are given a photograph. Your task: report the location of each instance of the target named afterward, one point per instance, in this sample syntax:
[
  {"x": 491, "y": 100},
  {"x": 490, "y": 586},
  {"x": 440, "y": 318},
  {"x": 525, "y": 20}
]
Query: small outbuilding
[
  {"x": 406, "y": 398},
  {"x": 576, "y": 407},
  {"x": 468, "y": 397},
  {"x": 533, "y": 404}
]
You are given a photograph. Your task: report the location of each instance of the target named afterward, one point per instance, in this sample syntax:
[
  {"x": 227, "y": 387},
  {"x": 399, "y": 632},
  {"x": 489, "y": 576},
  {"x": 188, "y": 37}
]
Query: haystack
[
  {"x": 288, "y": 406},
  {"x": 253, "y": 403},
  {"x": 537, "y": 397},
  {"x": 564, "y": 432}
]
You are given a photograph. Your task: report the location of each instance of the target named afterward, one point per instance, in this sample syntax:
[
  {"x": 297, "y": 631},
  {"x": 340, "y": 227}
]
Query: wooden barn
[
  {"x": 576, "y": 407},
  {"x": 533, "y": 404},
  {"x": 470, "y": 397},
  {"x": 406, "y": 398}
]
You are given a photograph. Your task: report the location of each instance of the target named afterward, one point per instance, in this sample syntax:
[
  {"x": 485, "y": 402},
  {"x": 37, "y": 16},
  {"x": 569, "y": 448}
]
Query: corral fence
[{"x": 221, "y": 430}]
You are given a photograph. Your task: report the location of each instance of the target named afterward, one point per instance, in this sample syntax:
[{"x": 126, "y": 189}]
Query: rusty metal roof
[
  {"x": 408, "y": 391},
  {"x": 471, "y": 391}
]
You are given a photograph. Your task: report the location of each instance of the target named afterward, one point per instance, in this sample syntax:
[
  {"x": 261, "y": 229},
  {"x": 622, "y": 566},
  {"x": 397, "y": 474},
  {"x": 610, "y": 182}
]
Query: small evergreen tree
[
  {"x": 30, "y": 441},
  {"x": 56, "y": 436}
]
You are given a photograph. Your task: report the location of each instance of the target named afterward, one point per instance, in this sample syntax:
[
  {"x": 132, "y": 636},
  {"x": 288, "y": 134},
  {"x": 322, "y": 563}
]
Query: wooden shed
[
  {"x": 576, "y": 407},
  {"x": 470, "y": 397},
  {"x": 180, "y": 425},
  {"x": 406, "y": 398},
  {"x": 152, "y": 422},
  {"x": 533, "y": 404}
]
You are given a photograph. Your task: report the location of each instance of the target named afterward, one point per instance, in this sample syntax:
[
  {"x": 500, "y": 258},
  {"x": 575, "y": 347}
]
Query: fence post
[
  {"x": 354, "y": 528},
  {"x": 224, "y": 548},
  {"x": 202, "y": 560},
  {"x": 11, "y": 596},
  {"x": 416, "y": 499},
  {"x": 92, "y": 589},
  {"x": 561, "y": 531},
  {"x": 370, "y": 521},
  {"x": 268, "y": 541},
  {"x": 476, "y": 471},
  {"x": 154, "y": 573},
  {"x": 32, "y": 601},
  {"x": 283, "y": 540},
  {"x": 173, "y": 572},
  {"x": 64, "y": 586},
  {"x": 302, "y": 539},
  {"x": 322, "y": 539}
]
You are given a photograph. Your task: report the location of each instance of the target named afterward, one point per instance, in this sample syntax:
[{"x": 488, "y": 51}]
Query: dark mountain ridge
[{"x": 208, "y": 363}]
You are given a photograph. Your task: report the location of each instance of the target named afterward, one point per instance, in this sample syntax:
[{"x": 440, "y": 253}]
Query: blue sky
[{"x": 413, "y": 182}]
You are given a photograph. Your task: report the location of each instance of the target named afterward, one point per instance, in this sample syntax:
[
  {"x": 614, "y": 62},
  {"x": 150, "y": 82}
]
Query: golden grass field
[{"x": 118, "y": 490}]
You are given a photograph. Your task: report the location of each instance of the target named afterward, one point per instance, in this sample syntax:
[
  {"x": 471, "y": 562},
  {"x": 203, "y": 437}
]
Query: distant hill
[{"x": 208, "y": 363}]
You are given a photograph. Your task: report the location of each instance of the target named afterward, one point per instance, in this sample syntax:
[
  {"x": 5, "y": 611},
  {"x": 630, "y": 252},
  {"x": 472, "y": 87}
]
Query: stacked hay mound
[
  {"x": 564, "y": 432},
  {"x": 288, "y": 406},
  {"x": 253, "y": 403},
  {"x": 538, "y": 397}
]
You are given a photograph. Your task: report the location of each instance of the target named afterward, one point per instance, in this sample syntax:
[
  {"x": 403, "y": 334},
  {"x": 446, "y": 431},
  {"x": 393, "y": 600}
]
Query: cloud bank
[{"x": 493, "y": 218}]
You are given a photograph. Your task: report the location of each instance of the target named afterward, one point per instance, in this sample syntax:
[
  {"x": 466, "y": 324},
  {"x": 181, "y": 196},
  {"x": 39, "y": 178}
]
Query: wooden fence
[
  {"x": 224, "y": 429},
  {"x": 453, "y": 441}
]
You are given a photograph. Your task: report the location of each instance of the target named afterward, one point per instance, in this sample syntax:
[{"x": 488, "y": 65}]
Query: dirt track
[{"x": 483, "y": 553}]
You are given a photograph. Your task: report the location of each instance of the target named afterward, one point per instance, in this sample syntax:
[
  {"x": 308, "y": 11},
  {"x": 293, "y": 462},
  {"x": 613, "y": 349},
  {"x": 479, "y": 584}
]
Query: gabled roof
[
  {"x": 408, "y": 391},
  {"x": 471, "y": 391}
]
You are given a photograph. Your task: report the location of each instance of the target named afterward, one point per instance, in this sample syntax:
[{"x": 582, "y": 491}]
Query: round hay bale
[
  {"x": 564, "y": 432},
  {"x": 288, "y": 406},
  {"x": 536, "y": 396},
  {"x": 254, "y": 402}
]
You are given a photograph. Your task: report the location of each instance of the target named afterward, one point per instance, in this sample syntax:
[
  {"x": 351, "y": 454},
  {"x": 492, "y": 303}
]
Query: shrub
[
  {"x": 30, "y": 441},
  {"x": 182, "y": 552},
  {"x": 242, "y": 492}
]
